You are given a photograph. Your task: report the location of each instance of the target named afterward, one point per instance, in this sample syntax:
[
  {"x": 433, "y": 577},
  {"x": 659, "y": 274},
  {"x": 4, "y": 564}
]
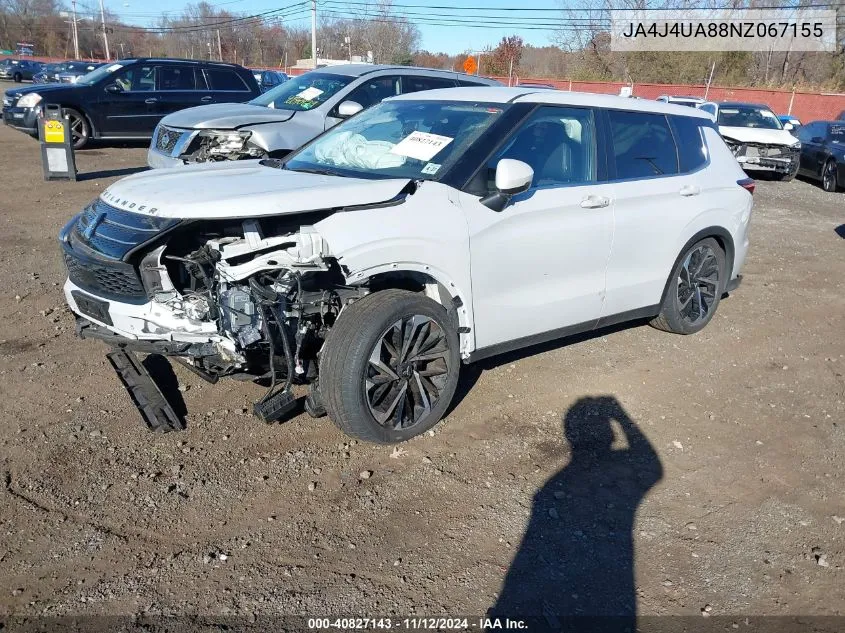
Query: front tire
[
  {"x": 829, "y": 176},
  {"x": 18, "y": 78},
  {"x": 694, "y": 290},
  {"x": 389, "y": 367},
  {"x": 80, "y": 130}
]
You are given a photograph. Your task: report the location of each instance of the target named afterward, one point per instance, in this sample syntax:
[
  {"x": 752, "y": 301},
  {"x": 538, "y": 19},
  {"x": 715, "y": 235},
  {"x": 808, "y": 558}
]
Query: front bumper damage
[
  {"x": 259, "y": 317},
  {"x": 780, "y": 159}
]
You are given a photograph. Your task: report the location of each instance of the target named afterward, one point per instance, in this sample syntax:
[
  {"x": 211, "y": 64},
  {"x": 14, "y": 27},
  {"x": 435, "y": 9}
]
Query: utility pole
[
  {"x": 219, "y": 47},
  {"x": 105, "y": 35},
  {"x": 75, "y": 33},
  {"x": 348, "y": 41},
  {"x": 709, "y": 80},
  {"x": 314, "y": 31}
]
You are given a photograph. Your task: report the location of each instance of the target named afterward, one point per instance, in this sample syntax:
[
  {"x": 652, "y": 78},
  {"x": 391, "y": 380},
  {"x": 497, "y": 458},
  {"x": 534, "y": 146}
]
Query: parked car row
[
  {"x": 197, "y": 112},
  {"x": 18, "y": 70},
  {"x": 435, "y": 227}
]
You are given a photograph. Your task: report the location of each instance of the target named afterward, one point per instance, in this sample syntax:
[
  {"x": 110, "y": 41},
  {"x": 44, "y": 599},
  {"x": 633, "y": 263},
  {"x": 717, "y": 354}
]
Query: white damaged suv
[
  {"x": 757, "y": 138},
  {"x": 431, "y": 230}
]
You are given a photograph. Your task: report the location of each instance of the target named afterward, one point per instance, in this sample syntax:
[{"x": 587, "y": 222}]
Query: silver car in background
[{"x": 290, "y": 114}]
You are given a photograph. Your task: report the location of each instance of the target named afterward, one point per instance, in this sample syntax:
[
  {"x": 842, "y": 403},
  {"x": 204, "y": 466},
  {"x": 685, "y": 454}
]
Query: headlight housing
[
  {"x": 29, "y": 100},
  {"x": 226, "y": 141},
  {"x": 227, "y": 145}
]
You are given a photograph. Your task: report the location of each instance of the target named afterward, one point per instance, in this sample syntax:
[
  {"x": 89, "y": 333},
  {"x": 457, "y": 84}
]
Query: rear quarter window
[
  {"x": 692, "y": 152},
  {"x": 225, "y": 79}
]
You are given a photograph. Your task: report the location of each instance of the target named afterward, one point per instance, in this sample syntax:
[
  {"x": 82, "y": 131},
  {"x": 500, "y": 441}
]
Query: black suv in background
[{"x": 126, "y": 99}]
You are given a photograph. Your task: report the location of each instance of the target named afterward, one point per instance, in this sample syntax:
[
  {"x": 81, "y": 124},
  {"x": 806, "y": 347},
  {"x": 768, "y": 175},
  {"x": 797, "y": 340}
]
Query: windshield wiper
[{"x": 315, "y": 170}]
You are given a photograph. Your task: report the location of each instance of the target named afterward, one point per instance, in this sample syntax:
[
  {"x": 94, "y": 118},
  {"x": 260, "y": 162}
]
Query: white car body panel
[
  {"x": 654, "y": 220},
  {"x": 543, "y": 255},
  {"x": 757, "y": 135},
  {"x": 241, "y": 189},
  {"x": 542, "y": 264}
]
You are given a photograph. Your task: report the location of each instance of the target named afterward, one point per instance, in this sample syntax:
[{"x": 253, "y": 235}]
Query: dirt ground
[{"x": 722, "y": 495}]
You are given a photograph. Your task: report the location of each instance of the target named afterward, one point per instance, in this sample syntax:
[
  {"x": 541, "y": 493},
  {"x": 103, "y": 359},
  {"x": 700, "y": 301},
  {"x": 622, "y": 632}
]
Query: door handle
[
  {"x": 689, "y": 190},
  {"x": 151, "y": 100},
  {"x": 206, "y": 99},
  {"x": 595, "y": 202}
]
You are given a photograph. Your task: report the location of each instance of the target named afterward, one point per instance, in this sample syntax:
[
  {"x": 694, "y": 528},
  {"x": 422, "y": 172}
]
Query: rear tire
[
  {"x": 694, "y": 289},
  {"x": 79, "y": 128},
  {"x": 389, "y": 366}
]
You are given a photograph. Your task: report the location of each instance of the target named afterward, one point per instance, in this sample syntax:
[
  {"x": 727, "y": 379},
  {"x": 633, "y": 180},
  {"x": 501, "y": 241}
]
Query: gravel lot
[{"x": 722, "y": 492}]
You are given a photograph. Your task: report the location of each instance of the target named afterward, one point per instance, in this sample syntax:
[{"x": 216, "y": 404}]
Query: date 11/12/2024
[{"x": 416, "y": 624}]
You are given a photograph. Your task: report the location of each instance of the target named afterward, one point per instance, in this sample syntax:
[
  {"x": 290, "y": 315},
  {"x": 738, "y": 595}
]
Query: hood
[
  {"x": 757, "y": 135},
  {"x": 40, "y": 89},
  {"x": 242, "y": 189},
  {"x": 225, "y": 116}
]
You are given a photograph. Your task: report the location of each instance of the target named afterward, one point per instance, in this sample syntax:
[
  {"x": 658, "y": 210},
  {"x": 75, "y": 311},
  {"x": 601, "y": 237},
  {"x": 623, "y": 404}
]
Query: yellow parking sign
[{"x": 54, "y": 131}]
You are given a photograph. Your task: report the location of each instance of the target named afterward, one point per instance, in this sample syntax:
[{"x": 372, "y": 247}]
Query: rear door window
[
  {"x": 374, "y": 90},
  {"x": 643, "y": 146},
  {"x": 225, "y": 79},
  {"x": 692, "y": 152},
  {"x": 172, "y": 78},
  {"x": 412, "y": 83}
]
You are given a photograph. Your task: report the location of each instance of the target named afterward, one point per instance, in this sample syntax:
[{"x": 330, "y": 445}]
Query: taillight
[{"x": 748, "y": 184}]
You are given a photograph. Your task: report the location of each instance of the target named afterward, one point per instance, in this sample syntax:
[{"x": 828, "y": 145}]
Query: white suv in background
[
  {"x": 433, "y": 229},
  {"x": 289, "y": 115}
]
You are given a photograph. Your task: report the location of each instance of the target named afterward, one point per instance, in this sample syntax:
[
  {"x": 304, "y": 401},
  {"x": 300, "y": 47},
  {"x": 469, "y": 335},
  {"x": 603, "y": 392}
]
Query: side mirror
[
  {"x": 817, "y": 139},
  {"x": 348, "y": 109},
  {"x": 512, "y": 178},
  {"x": 114, "y": 89},
  {"x": 788, "y": 126}
]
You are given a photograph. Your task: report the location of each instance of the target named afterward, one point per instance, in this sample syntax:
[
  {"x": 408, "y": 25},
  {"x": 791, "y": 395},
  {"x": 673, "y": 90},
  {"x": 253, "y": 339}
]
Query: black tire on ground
[
  {"x": 412, "y": 337},
  {"x": 829, "y": 176},
  {"x": 694, "y": 289},
  {"x": 79, "y": 126},
  {"x": 18, "y": 78},
  {"x": 788, "y": 177}
]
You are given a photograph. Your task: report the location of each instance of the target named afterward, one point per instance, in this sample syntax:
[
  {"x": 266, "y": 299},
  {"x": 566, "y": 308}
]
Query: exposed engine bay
[{"x": 256, "y": 297}]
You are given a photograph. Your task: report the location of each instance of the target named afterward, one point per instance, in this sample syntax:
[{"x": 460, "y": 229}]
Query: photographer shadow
[{"x": 574, "y": 569}]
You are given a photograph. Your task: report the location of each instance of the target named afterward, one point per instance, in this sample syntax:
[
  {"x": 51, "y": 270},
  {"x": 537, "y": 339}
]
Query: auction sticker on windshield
[
  {"x": 309, "y": 94},
  {"x": 421, "y": 145}
]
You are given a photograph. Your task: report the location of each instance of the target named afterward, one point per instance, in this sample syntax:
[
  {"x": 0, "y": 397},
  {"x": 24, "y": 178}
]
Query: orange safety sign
[{"x": 470, "y": 66}]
